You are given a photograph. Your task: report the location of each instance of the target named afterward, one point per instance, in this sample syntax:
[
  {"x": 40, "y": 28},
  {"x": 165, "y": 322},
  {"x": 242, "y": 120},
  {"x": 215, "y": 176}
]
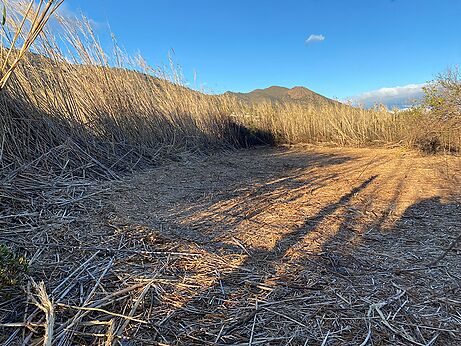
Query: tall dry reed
[{"x": 72, "y": 107}]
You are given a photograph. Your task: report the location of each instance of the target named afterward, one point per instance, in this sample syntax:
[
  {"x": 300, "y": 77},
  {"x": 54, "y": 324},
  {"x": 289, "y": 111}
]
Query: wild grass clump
[
  {"x": 338, "y": 124},
  {"x": 25, "y": 23},
  {"x": 72, "y": 108}
]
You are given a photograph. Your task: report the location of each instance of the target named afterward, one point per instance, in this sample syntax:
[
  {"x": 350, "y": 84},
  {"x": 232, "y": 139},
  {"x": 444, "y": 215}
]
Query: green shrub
[{"x": 12, "y": 267}]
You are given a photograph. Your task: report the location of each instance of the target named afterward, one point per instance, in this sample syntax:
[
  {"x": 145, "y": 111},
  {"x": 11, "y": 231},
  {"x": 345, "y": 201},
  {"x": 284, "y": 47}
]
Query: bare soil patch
[{"x": 287, "y": 246}]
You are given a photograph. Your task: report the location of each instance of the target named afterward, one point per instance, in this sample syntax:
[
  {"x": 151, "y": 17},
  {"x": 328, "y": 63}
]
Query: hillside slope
[{"x": 281, "y": 94}]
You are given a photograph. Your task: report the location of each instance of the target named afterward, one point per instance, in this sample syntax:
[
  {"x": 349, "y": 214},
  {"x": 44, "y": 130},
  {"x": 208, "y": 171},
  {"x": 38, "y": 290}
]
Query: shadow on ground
[
  {"x": 278, "y": 247},
  {"x": 312, "y": 249}
]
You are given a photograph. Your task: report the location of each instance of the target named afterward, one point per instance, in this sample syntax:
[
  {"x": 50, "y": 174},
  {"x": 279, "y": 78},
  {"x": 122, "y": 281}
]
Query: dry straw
[
  {"x": 34, "y": 18},
  {"x": 73, "y": 115}
]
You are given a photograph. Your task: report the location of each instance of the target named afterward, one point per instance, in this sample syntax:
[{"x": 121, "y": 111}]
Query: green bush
[
  {"x": 443, "y": 95},
  {"x": 438, "y": 125},
  {"x": 12, "y": 267}
]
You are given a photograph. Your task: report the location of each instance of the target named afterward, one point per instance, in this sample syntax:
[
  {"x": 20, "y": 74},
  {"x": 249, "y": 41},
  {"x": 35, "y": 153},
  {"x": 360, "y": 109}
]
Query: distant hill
[
  {"x": 280, "y": 94},
  {"x": 274, "y": 94}
]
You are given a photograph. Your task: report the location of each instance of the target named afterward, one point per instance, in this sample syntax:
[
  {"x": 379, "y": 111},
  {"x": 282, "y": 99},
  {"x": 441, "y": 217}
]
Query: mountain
[
  {"x": 274, "y": 94},
  {"x": 280, "y": 94}
]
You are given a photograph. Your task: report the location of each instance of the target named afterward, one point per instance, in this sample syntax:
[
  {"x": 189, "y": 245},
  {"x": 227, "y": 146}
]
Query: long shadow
[
  {"x": 380, "y": 263},
  {"x": 225, "y": 214},
  {"x": 413, "y": 263},
  {"x": 263, "y": 263},
  {"x": 260, "y": 264},
  {"x": 311, "y": 223},
  {"x": 351, "y": 223}
]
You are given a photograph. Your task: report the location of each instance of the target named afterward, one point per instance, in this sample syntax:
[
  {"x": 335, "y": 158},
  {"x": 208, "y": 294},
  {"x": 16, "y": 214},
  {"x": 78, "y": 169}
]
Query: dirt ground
[{"x": 286, "y": 246}]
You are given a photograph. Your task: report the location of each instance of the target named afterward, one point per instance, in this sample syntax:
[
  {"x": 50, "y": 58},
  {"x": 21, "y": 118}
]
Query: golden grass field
[{"x": 137, "y": 211}]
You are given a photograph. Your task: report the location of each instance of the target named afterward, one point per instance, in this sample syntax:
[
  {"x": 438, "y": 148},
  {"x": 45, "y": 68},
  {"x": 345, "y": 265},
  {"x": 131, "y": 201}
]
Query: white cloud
[
  {"x": 315, "y": 38},
  {"x": 71, "y": 15},
  {"x": 65, "y": 11},
  {"x": 400, "y": 96}
]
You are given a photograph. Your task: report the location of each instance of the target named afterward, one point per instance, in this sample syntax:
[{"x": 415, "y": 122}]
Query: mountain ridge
[{"x": 279, "y": 94}]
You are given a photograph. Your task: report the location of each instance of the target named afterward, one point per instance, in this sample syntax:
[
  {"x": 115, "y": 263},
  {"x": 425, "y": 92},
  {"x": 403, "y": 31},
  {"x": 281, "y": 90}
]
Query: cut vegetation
[{"x": 136, "y": 211}]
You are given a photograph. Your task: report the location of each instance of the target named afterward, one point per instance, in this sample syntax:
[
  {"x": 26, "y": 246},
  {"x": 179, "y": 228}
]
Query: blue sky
[{"x": 356, "y": 46}]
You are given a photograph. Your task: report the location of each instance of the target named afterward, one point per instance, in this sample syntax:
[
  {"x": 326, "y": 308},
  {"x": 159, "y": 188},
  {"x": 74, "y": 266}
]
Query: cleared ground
[{"x": 289, "y": 246}]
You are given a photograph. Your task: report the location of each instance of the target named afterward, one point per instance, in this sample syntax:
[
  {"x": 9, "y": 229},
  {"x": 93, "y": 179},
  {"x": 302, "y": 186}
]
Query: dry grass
[
  {"x": 341, "y": 125},
  {"x": 71, "y": 116},
  {"x": 432, "y": 134},
  {"x": 26, "y": 23},
  {"x": 269, "y": 247},
  {"x": 102, "y": 116}
]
